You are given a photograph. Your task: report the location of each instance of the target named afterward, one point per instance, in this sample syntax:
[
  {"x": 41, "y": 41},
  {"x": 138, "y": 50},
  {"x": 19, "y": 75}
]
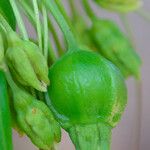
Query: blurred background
[{"x": 129, "y": 134}]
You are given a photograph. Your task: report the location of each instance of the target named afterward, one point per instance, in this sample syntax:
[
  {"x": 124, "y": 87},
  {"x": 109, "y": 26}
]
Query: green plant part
[
  {"x": 114, "y": 45},
  {"x": 14, "y": 122},
  {"x": 6, "y": 10},
  {"x": 120, "y": 5},
  {"x": 27, "y": 63},
  {"x": 22, "y": 69},
  {"x": 80, "y": 100},
  {"x": 34, "y": 70},
  {"x": 36, "y": 120},
  {"x": 5, "y": 119},
  {"x": 34, "y": 117},
  {"x": 1, "y": 50}
]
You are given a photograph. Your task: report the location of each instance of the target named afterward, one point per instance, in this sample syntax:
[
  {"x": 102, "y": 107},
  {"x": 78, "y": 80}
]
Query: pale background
[{"x": 125, "y": 135}]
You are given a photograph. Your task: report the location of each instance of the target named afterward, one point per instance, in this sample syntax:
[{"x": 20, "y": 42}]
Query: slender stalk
[
  {"x": 73, "y": 9},
  {"x": 45, "y": 26},
  {"x": 138, "y": 87},
  {"x": 63, "y": 12},
  {"x": 88, "y": 9},
  {"x": 144, "y": 14},
  {"x": 71, "y": 41},
  {"x": 38, "y": 24},
  {"x": 27, "y": 11},
  {"x": 30, "y": 14},
  {"x": 10, "y": 81},
  {"x": 55, "y": 36},
  {"x": 19, "y": 19}
]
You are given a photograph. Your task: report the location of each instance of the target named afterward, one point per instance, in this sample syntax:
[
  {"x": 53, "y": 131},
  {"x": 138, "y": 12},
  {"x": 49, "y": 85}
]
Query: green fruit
[
  {"x": 120, "y": 5},
  {"x": 86, "y": 90},
  {"x": 115, "y": 46}
]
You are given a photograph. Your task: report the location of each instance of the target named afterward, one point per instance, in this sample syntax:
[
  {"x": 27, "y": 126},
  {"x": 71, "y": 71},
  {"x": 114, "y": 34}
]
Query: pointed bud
[
  {"x": 37, "y": 60},
  {"x": 115, "y": 46},
  {"x": 19, "y": 63},
  {"x": 37, "y": 64}
]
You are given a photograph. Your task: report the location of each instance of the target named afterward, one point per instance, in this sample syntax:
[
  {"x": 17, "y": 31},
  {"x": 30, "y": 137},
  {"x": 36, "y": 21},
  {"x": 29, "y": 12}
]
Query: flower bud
[
  {"x": 37, "y": 60},
  {"x": 120, "y": 5},
  {"x": 33, "y": 63},
  {"x": 36, "y": 120},
  {"x": 21, "y": 66},
  {"x": 113, "y": 45}
]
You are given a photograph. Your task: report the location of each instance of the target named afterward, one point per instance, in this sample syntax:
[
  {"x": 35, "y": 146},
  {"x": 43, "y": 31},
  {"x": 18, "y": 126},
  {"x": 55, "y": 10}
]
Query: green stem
[
  {"x": 71, "y": 41},
  {"x": 73, "y": 9},
  {"x": 45, "y": 26},
  {"x": 88, "y": 9},
  {"x": 19, "y": 19},
  {"x": 55, "y": 36},
  {"x": 63, "y": 12},
  {"x": 10, "y": 81},
  {"x": 91, "y": 137},
  {"x": 144, "y": 14},
  {"x": 29, "y": 12},
  {"x": 38, "y": 24}
]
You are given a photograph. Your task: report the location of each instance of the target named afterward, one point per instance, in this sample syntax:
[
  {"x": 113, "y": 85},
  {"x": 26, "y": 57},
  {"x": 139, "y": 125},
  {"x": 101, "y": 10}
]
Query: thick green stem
[
  {"x": 19, "y": 19},
  {"x": 91, "y": 137},
  {"x": 71, "y": 41}
]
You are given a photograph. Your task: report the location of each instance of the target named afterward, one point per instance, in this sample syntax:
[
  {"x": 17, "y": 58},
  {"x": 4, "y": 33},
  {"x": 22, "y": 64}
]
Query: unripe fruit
[{"x": 86, "y": 90}]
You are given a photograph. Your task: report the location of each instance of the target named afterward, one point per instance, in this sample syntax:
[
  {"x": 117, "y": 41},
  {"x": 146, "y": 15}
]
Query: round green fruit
[{"x": 85, "y": 89}]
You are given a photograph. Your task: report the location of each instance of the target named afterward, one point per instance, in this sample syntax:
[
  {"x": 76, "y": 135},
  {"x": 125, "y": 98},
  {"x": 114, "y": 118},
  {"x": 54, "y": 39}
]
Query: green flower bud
[
  {"x": 37, "y": 60},
  {"x": 120, "y": 5},
  {"x": 113, "y": 45},
  {"x": 26, "y": 62},
  {"x": 36, "y": 120},
  {"x": 19, "y": 63}
]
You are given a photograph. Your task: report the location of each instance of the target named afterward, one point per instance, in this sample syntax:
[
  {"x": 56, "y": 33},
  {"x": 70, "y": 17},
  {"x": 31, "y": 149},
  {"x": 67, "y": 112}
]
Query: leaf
[
  {"x": 6, "y": 10},
  {"x": 5, "y": 119}
]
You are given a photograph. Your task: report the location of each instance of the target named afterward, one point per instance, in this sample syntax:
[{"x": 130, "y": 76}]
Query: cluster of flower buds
[{"x": 36, "y": 120}]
